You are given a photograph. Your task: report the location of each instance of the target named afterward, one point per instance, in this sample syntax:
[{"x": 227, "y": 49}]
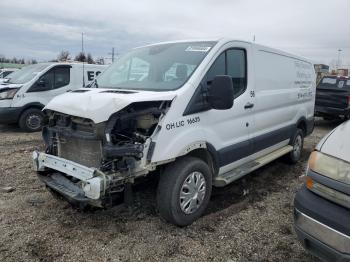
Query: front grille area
[{"x": 82, "y": 151}]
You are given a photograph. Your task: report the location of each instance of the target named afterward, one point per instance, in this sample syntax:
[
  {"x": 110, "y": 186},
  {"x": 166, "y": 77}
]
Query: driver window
[
  {"x": 236, "y": 68},
  {"x": 232, "y": 62},
  {"x": 62, "y": 76},
  {"x": 44, "y": 83},
  {"x": 217, "y": 68}
]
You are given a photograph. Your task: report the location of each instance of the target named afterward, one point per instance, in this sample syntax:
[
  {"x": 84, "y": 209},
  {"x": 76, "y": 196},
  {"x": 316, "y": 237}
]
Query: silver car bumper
[
  {"x": 93, "y": 182},
  {"x": 323, "y": 233}
]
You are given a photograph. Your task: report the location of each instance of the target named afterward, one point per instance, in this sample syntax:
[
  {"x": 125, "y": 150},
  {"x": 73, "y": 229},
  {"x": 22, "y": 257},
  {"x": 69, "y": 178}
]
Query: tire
[
  {"x": 326, "y": 118},
  {"x": 297, "y": 143},
  {"x": 331, "y": 118},
  {"x": 31, "y": 120},
  {"x": 176, "y": 178}
]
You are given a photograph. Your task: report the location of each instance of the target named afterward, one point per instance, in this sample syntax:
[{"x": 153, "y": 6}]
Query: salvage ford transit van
[
  {"x": 27, "y": 91},
  {"x": 201, "y": 113}
]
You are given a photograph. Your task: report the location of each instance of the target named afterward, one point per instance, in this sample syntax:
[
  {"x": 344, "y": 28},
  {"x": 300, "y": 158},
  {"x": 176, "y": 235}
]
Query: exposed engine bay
[
  {"x": 114, "y": 149},
  {"x": 110, "y": 146}
]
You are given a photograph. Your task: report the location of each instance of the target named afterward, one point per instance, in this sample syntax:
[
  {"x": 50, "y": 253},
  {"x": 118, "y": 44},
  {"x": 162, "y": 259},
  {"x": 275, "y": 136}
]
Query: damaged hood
[
  {"x": 7, "y": 85},
  {"x": 99, "y": 104},
  {"x": 337, "y": 143}
]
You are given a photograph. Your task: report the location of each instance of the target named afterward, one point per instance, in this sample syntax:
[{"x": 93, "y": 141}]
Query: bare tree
[
  {"x": 80, "y": 57},
  {"x": 63, "y": 56},
  {"x": 89, "y": 59}
]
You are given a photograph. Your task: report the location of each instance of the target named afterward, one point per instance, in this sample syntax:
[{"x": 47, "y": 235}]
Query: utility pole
[
  {"x": 112, "y": 54},
  {"x": 338, "y": 64},
  {"x": 82, "y": 50}
]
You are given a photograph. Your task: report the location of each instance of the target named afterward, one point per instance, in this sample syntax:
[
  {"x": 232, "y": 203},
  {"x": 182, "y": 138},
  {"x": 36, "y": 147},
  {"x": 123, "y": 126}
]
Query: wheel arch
[
  {"x": 302, "y": 124},
  {"x": 30, "y": 105},
  {"x": 209, "y": 155}
]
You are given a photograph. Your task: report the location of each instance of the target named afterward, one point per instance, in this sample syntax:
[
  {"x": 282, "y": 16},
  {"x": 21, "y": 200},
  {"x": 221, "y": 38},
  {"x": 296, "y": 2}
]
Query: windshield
[
  {"x": 158, "y": 68},
  {"x": 25, "y": 74}
]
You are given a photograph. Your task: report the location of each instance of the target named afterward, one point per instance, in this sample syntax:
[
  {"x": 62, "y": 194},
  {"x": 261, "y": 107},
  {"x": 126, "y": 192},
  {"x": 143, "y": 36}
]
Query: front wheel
[
  {"x": 31, "y": 120},
  {"x": 184, "y": 191}
]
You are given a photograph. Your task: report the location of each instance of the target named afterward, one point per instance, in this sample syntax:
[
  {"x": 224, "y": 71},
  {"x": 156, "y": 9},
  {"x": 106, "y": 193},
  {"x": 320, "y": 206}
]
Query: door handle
[{"x": 249, "y": 105}]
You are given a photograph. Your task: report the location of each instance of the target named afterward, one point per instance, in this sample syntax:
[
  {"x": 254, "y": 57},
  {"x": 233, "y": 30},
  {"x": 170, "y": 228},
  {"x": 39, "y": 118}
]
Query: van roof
[
  {"x": 224, "y": 40},
  {"x": 68, "y": 63}
]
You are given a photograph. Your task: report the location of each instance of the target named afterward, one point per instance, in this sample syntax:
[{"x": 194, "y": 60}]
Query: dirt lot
[{"x": 250, "y": 220}]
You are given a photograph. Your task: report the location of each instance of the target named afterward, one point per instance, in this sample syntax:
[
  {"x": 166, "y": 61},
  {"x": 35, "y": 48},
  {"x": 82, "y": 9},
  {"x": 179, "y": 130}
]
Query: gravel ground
[{"x": 250, "y": 220}]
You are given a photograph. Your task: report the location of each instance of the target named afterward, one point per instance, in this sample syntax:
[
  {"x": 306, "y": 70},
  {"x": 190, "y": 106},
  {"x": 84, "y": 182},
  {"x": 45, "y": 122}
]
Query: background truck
[{"x": 333, "y": 97}]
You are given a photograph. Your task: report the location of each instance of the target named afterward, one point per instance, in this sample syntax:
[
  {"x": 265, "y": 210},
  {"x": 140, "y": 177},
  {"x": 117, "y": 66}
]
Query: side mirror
[
  {"x": 41, "y": 83},
  {"x": 220, "y": 93}
]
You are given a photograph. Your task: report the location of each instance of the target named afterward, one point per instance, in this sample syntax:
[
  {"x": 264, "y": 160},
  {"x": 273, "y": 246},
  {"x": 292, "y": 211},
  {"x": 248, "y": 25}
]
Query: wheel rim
[
  {"x": 192, "y": 192},
  {"x": 297, "y": 146},
  {"x": 33, "y": 121}
]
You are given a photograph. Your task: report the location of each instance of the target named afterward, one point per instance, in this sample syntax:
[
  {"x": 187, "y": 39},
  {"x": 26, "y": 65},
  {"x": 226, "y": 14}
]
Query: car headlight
[
  {"x": 329, "y": 166},
  {"x": 8, "y": 93}
]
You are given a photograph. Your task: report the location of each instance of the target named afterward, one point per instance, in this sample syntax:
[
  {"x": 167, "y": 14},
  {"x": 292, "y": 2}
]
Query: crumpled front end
[{"x": 91, "y": 163}]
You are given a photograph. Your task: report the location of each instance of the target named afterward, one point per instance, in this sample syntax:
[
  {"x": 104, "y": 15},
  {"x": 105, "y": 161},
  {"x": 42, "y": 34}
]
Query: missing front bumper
[{"x": 92, "y": 182}]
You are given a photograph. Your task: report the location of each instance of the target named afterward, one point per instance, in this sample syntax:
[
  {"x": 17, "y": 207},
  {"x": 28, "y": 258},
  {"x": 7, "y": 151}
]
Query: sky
[{"x": 40, "y": 29}]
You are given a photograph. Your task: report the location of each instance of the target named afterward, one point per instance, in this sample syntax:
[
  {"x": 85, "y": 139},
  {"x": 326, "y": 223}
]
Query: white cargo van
[
  {"x": 5, "y": 72},
  {"x": 27, "y": 91},
  {"x": 201, "y": 113}
]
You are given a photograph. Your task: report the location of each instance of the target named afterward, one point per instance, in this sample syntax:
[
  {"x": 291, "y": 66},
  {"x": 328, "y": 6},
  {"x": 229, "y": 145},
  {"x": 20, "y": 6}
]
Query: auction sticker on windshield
[{"x": 198, "y": 49}]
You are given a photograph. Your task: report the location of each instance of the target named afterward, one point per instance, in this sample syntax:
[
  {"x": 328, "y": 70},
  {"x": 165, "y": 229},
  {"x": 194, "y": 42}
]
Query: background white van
[
  {"x": 4, "y": 73},
  {"x": 28, "y": 90}
]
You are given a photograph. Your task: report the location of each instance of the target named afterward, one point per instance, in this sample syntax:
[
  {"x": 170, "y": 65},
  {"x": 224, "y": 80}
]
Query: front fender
[{"x": 174, "y": 143}]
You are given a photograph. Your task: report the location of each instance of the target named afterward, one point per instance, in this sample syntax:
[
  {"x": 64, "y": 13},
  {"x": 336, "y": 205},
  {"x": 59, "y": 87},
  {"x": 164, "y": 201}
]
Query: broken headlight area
[{"x": 113, "y": 146}]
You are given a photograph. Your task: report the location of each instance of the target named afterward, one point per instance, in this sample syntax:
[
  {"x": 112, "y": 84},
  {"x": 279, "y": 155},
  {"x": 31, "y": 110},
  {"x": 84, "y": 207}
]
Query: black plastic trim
[
  {"x": 245, "y": 148},
  {"x": 323, "y": 210},
  {"x": 9, "y": 115},
  {"x": 319, "y": 249}
]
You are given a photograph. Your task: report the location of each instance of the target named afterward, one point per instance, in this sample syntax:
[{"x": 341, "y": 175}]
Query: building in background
[
  {"x": 341, "y": 72},
  {"x": 321, "y": 70}
]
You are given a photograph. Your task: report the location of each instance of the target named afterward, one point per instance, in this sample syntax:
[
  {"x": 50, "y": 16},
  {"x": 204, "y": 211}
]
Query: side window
[
  {"x": 6, "y": 73},
  {"x": 217, "y": 68},
  {"x": 231, "y": 62},
  {"x": 44, "y": 83},
  {"x": 62, "y": 77},
  {"x": 236, "y": 68}
]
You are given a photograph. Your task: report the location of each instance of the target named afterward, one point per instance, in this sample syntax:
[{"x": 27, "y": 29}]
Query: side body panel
[{"x": 284, "y": 92}]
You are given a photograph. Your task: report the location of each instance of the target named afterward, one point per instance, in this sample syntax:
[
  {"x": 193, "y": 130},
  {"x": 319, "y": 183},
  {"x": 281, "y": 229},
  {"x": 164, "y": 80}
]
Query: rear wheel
[
  {"x": 184, "y": 191},
  {"x": 297, "y": 143},
  {"x": 31, "y": 120}
]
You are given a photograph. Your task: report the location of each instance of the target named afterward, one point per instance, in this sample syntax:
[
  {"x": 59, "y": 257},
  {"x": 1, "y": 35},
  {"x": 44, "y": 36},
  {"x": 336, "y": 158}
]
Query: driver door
[{"x": 230, "y": 130}]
